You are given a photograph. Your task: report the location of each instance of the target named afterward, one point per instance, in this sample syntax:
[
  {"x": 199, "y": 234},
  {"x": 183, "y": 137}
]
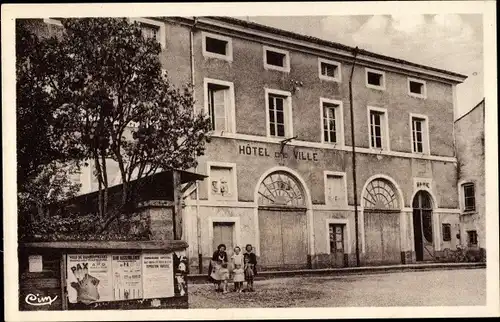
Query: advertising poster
[
  {"x": 89, "y": 278},
  {"x": 158, "y": 272},
  {"x": 127, "y": 277}
]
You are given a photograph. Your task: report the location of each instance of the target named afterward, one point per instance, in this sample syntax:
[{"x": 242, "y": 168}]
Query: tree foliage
[
  {"x": 44, "y": 161},
  {"x": 113, "y": 101}
]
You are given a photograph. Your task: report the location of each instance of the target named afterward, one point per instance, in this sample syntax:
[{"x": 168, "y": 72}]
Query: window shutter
[{"x": 220, "y": 110}]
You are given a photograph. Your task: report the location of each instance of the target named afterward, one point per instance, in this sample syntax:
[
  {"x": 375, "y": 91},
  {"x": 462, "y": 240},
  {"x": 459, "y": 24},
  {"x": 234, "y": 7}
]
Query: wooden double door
[
  {"x": 382, "y": 237},
  {"x": 283, "y": 238}
]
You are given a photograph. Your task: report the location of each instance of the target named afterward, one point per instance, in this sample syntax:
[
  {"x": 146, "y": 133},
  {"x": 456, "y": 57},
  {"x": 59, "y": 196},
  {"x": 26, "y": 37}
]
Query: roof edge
[
  {"x": 470, "y": 111},
  {"x": 450, "y": 76}
]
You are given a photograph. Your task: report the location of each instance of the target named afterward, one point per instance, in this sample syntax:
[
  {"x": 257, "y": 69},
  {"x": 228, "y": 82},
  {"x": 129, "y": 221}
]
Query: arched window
[
  {"x": 281, "y": 189},
  {"x": 380, "y": 194}
]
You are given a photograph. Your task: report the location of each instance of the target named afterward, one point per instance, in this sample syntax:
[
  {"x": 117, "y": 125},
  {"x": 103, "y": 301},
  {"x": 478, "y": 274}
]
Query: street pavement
[{"x": 461, "y": 287}]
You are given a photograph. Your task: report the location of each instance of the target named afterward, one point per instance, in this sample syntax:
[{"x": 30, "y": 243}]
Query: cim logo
[{"x": 38, "y": 300}]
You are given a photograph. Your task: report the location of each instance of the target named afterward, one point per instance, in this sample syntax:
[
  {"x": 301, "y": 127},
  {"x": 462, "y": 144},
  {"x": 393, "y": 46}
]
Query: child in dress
[
  {"x": 224, "y": 276},
  {"x": 250, "y": 266},
  {"x": 249, "y": 274},
  {"x": 238, "y": 277},
  {"x": 238, "y": 273}
]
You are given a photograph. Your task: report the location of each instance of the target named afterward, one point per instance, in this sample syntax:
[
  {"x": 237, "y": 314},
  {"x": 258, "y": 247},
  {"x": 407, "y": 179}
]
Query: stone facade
[
  {"x": 469, "y": 133},
  {"x": 310, "y": 220}
]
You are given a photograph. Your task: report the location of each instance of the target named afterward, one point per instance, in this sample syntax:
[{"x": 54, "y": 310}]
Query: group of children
[{"x": 242, "y": 268}]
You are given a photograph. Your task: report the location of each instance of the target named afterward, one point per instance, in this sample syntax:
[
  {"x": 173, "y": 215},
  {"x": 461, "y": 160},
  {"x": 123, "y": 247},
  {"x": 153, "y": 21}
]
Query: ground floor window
[
  {"x": 446, "y": 232},
  {"x": 472, "y": 238},
  {"x": 337, "y": 238}
]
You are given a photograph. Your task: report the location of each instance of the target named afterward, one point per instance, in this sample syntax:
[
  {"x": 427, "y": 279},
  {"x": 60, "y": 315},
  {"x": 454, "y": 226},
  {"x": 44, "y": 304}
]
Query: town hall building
[{"x": 279, "y": 165}]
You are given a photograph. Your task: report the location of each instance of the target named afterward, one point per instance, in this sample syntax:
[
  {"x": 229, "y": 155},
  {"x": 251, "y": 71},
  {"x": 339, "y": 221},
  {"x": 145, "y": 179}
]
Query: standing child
[
  {"x": 249, "y": 274},
  {"x": 224, "y": 276},
  {"x": 238, "y": 277},
  {"x": 251, "y": 265},
  {"x": 238, "y": 272}
]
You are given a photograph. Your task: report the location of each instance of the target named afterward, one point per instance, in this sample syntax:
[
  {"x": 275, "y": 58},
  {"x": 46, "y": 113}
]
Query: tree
[
  {"x": 44, "y": 161},
  {"x": 115, "y": 102}
]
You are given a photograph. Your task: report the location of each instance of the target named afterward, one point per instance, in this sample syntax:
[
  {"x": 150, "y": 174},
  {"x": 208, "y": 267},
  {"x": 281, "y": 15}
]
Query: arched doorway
[
  {"x": 381, "y": 223},
  {"x": 422, "y": 226},
  {"x": 282, "y": 222}
]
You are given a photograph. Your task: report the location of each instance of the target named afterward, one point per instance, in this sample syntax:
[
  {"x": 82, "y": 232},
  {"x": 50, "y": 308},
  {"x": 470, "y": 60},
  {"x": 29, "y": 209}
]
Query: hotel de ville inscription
[{"x": 248, "y": 149}]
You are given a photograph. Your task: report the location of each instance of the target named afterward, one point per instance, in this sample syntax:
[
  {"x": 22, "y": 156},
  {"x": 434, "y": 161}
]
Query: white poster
[
  {"x": 127, "y": 277},
  {"x": 158, "y": 272},
  {"x": 35, "y": 263},
  {"x": 89, "y": 278}
]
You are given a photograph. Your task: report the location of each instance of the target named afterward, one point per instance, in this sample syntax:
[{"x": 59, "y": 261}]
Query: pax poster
[
  {"x": 158, "y": 270},
  {"x": 127, "y": 277},
  {"x": 89, "y": 278}
]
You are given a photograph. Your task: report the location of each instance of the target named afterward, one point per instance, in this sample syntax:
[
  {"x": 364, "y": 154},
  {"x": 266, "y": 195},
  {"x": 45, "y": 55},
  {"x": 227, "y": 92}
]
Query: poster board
[
  {"x": 158, "y": 267},
  {"x": 127, "y": 277},
  {"x": 89, "y": 278},
  {"x": 117, "y": 277}
]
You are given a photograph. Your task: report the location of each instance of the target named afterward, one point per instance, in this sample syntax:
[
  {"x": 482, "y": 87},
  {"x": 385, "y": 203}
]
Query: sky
[{"x": 452, "y": 42}]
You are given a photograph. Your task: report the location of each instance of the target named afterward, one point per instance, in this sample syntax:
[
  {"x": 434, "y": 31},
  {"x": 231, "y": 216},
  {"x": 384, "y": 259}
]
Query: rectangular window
[
  {"x": 276, "y": 115},
  {"x": 219, "y": 104},
  {"x": 151, "y": 29},
  {"x": 376, "y": 129},
  {"x": 217, "y": 46},
  {"x": 217, "y": 107},
  {"x": 329, "y": 70},
  {"x": 375, "y": 79},
  {"x": 335, "y": 190},
  {"x": 276, "y": 59},
  {"x": 469, "y": 197},
  {"x": 336, "y": 232},
  {"x": 446, "y": 232},
  {"x": 330, "y": 130},
  {"x": 417, "y": 88},
  {"x": 472, "y": 238},
  {"x": 418, "y": 134}
]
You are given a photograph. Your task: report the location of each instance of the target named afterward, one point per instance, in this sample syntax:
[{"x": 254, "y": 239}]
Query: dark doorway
[{"x": 422, "y": 226}]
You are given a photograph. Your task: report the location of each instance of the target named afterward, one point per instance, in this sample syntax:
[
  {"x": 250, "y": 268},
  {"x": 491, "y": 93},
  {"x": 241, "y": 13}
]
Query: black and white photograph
[{"x": 298, "y": 160}]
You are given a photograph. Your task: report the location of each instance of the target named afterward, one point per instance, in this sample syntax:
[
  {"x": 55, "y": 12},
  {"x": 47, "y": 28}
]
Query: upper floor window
[
  {"x": 219, "y": 104},
  {"x": 417, "y": 88},
  {"x": 152, "y": 29},
  {"x": 279, "y": 113},
  {"x": 419, "y": 133},
  {"x": 276, "y": 59},
  {"x": 469, "y": 196},
  {"x": 379, "y": 130},
  {"x": 329, "y": 70},
  {"x": 217, "y": 46},
  {"x": 332, "y": 121},
  {"x": 375, "y": 79}
]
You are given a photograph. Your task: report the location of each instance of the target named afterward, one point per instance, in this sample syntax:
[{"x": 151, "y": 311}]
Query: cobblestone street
[{"x": 423, "y": 288}]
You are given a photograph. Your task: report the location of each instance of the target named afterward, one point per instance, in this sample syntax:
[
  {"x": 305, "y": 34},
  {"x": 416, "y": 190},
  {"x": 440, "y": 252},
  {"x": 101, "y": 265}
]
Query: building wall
[
  {"x": 469, "y": 132},
  {"x": 307, "y": 157},
  {"x": 249, "y": 77},
  {"x": 249, "y": 84}
]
